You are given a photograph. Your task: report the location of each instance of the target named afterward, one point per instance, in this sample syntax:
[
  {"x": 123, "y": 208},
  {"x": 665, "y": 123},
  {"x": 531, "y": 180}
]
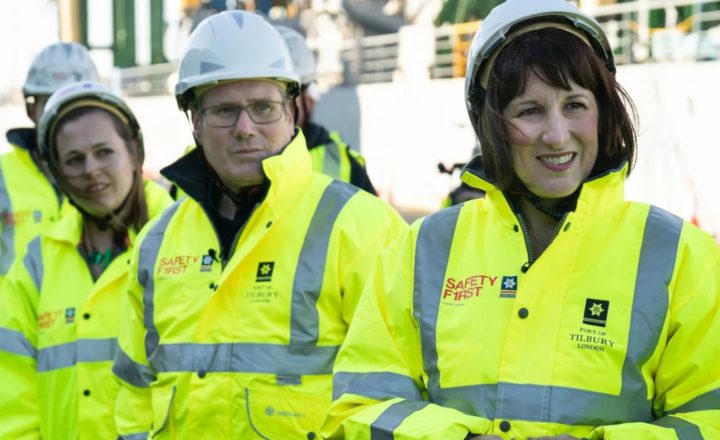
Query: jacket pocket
[
  {"x": 280, "y": 415},
  {"x": 162, "y": 411}
]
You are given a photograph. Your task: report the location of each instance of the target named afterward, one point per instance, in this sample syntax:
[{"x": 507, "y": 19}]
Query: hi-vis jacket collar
[
  {"x": 597, "y": 193},
  {"x": 22, "y": 138},
  {"x": 287, "y": 171}
]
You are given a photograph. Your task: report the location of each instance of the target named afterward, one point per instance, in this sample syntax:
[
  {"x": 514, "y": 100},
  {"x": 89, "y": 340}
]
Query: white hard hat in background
[
  {"x": 57, "y": 65},
  {"x": 303, "y": 58},
  {"x": 87, "y": 91}
]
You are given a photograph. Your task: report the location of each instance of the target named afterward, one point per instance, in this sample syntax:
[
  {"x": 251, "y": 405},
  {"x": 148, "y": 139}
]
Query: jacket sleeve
[
  {"x": 379, "y": 383},
  {"x": 133, "y": 405},
  {"x": 358, "y": 173},
  {"x": 374, "y": 226},
  {"x": 19, "y": 414},
  {"x": 687, "y": 380}
]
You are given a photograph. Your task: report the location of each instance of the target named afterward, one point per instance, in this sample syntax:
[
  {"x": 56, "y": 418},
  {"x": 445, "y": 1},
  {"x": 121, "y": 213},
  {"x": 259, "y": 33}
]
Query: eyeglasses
[{"x": 260, "y": 112}]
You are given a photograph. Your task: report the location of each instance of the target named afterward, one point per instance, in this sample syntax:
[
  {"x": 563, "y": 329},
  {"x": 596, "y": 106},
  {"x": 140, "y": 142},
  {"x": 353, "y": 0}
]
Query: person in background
[
  {"x": 552, "y": 308},
  {"x": 59, "y": 304},
  {"x": 463, "y": 192},
  {"x": 28, "y": 198},
  {"x": 330, "y": 154},
  {"x": 241, "y": 293}
]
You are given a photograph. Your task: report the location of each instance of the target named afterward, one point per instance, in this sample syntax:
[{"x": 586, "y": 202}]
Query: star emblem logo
[
  {"x": 265, "y": 271},
  {"x": 509, "y": 283}
]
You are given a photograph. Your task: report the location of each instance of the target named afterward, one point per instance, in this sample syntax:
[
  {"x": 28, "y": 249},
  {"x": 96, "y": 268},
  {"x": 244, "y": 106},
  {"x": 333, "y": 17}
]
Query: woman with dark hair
[
  {"x": 59, "y": 304},
  {"x": 552, "y": 308}
]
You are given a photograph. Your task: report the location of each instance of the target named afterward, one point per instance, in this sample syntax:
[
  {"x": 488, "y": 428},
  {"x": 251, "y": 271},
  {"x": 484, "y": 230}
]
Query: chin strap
[{"x": 556, "y": 212}]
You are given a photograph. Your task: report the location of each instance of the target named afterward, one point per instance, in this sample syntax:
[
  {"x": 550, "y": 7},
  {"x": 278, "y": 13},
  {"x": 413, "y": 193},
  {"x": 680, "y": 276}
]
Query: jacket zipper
[
  {"x": 223, "y": 260},
  {"x": 237, "y": 237},
  {"x": 526, "y": 235}
]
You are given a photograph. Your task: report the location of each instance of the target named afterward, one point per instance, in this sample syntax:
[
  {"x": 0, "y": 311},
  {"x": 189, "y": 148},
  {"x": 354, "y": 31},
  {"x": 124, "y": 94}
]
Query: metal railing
[
  {"x": 145, "y": 80},
  {"x": 370, "y": 59}
]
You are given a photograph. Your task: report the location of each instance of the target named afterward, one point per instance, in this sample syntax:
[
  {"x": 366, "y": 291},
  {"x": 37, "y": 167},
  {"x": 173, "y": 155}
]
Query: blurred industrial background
[{"x": 392, "y": 76}]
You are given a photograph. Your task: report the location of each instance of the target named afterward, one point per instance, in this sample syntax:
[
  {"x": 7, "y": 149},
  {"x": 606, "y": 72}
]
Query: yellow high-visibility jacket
[
  {"x": 613, "y": 332},
  {"x": 243, "y": 348},
  {"x": 333, "y": 157},
  {"x": 58, "y": 333},
  {"x": 28, "y": 201}
]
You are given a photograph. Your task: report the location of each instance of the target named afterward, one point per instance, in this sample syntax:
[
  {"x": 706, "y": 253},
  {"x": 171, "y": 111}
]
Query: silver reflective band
[
  {"x": 82, "y": 350},
  {"x": 243, "y": 358},
  {"x": 684, "y": 430},
  {"x": 540, "y": 403},
  {"x": 147, "y": 257},
  {"x": 709, "y": 400},
  {"x": 15, "y": 342},
  {"x": 650, "y": 301},
  {"x": 34, "y": 264},
  {"x": 305, "y": 326},
  {"x": 331, "y": 160},
  {"x": 7, "y": 237},
  {"x": 383, "y": 427},
  {"x": 432, "y": 253},
  {"x": 302, "y": 355},
  {"x": 549, "y": 403},
  {"x": 138, "y": 436},
  {"x": 131, "y": 372},
  {"x": 378, "y": 386}
]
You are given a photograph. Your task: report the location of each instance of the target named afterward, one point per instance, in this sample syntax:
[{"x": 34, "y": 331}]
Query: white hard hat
[
  {"x": 303, "y": 58},
  {"x": 57, "y": 65},
  {"x": 509, "y": 16},
  {"x": 85, "y": 94},
  {"x": 233, "y": 45}
]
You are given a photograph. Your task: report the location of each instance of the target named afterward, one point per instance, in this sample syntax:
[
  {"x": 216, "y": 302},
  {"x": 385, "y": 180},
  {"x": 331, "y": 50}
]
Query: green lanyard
[{"x": 100, "y": 257}]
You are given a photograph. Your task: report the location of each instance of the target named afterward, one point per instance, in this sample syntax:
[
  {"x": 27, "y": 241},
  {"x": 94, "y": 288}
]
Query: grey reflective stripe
[
  {"x": 302, "y": 355},
  {"x": 7, "y": 237},
  {"x": 34, "y": 264},
  {"x": 244, "y": 358},
  {"x": 331, "y": 160},
  {"x": 15, "y": 342},
  {"x": 378, "y": 386},
  {"x": 147, "y": 257},
  {"x": 650, "y": 300},
  {"x": 541, "y": 403},
  {"x": 709, "y": 400},
  {"x": 138, "y": 436},
  {"x": 431, "y": 259},
  {"x": 383, "y": 427},
  {"x": 131, "y": 372},
  {"x": 82, "y": 350},
  {"x": 304, "y": 327},
  {"x": 551, "y": 403},
  {"x": 684, "y": 430}
]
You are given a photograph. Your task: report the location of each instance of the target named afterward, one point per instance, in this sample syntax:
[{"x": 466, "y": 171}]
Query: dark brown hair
[
  {"x": 558, "y": 58},
  {"x": 133, "y": 212}
]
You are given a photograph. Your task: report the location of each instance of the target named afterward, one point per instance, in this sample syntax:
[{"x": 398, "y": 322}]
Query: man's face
[{"x": 236, "y": 149}]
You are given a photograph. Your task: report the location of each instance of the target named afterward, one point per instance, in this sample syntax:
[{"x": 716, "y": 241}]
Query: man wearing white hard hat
[{"x": 241, "y": 293}]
